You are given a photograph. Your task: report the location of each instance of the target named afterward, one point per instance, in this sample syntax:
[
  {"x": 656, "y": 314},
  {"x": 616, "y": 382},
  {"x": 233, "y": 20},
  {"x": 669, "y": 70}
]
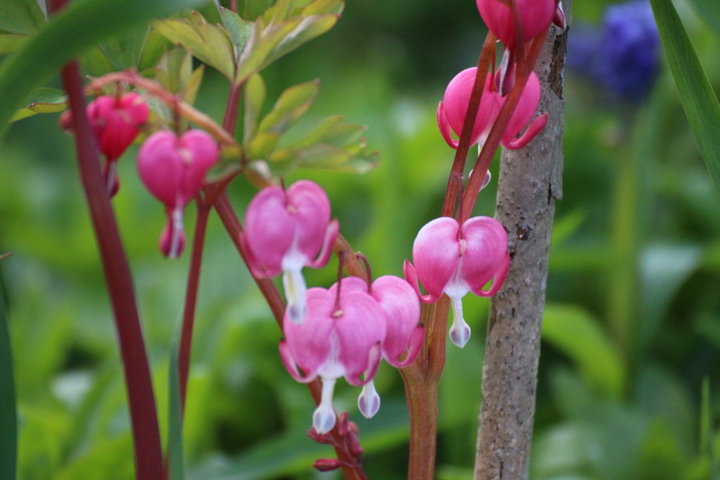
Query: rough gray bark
[{"x": 529, "y": 184}]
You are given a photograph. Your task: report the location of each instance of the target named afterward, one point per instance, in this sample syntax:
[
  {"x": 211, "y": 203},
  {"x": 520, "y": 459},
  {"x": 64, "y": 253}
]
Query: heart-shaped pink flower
[
  {"x": 533, "y": 18},
  {"x": 173, "y": 169},
  {"x": 287, "y": 230},
  {"x": 454, "y": 260},
  {"x": 341, "y": 336}
]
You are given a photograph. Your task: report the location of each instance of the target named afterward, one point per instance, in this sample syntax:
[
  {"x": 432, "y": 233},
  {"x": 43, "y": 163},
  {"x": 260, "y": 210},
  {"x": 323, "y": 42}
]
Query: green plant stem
[
  {"x": 143, "y": 415},
  {"x": 8, "y": 406}
]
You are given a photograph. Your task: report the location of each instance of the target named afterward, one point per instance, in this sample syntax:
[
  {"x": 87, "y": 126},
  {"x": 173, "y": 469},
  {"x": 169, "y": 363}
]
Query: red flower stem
[
  {"x": 472, "y": 189},
  {"x": 141, "y": 399},
  {"x": 351, "y": 470},
  {"x": 454, "y": 186}
]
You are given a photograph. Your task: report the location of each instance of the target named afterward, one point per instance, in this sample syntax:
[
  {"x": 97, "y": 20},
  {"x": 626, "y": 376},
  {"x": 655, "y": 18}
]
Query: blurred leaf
[
  {"x": 123, "y": 50},
  {"x": 95, "y": 62},
  {"x": 254, "y": 98},
  {"x": 20, "y": 16},
  {"x": 663, "y": 268},
  {"x": 75, "y": 28},
  {"x": 152, "y": 49},
  {"x": 9, "y": 42},
  {"x": 696, "y": 94},
  {"x": 105, "y": 460},
  {"x": 175, "y": 429},
  {"x": 209, "y": 43},
  {"x": 575, "y": 332},
  {"x": 709, "y": 12},
  {"x": 42, "y": 100},
  {"x": 8, "y": 414}
]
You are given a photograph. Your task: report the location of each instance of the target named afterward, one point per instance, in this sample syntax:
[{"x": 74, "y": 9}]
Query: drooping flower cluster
[{"x": 346, "y": 331}]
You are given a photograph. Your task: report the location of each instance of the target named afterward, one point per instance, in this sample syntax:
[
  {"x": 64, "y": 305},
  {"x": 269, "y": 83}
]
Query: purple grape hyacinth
[{"x": 623, "y": 55}]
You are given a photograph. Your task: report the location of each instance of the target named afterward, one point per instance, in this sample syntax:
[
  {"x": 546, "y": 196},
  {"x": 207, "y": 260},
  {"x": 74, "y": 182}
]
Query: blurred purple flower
[{"x": 623, "y": 55}]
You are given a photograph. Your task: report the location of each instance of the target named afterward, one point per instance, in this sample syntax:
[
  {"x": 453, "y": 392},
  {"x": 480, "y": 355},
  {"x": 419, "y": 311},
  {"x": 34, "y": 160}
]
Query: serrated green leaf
[
  {"x": 709, "y": 12},
  {"x": 254, "y": 98},
  {"x": 94, "y": 62},
  {"x": 123, "y": 50},
  {"x": 262, "y": 41},
  {"x": 209, "y": 43},
  {"x": 76, "y": 27},
  {"x": 9, "y": 42},
  {"x": 42, "y": 100},
  {"x": 575, "y": 332},
  {"x": 240, "y": 29},
  {"x": 291, "y": 105},
  {"x": 8, "y": 413},
  {"x": 332, "y": 131},
  {"x": 279, "y": 12},
  {"x": 696, "y": 94},
  {"x": 20, "y": 16}
]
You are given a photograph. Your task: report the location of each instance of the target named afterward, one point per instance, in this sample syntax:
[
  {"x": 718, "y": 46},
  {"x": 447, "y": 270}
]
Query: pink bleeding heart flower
[
  {"x": 453, "y": 108},
  {"x": 173, "y": 169},
  {"x": 404, "y": 338},
  {"x": 454, "y": 260},
  {"x": 287, "y": 230},
  {"x": 533, "y": 18},
  {"x": 116, "y": 121},
  {"x": 341, "y": 336}
]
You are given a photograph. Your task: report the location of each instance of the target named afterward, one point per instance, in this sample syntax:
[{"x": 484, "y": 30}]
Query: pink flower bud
[
  {"x": 453, "y": 260},
  {"x": 116, "y": 122},
  {"x": 289, "y": 230},
  {"x": 173, "y": 170},
  {"x": 533, "y": 18},
  {"x": 339, "y": 337},
  {"x": 452, "y": 110},
  {"x": 327, "y": 464}
]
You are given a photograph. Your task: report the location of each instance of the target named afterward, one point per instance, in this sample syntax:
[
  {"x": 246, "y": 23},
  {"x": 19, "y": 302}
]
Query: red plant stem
[
  {"x": 231, "y": 111},
  {"x": 454, "y": 185},
  {"x": 472, "y": 189},
  {"x": 351, "y": 470},
  {"x": 141, "y": 399}
]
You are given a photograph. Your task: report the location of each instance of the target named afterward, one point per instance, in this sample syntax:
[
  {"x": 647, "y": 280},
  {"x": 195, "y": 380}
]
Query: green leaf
[
  {"x": 709, "y": 12},
  {"x": 42, "y": 100},
  {"x": 9, "y": 42},
  {"x": 303, "y": 31},
  {"x": 319, "y": 7},
  {"x": 75, "y": 28},
  {"x": 255, "y": 92},
  {"x": 8, "y": 414},
  {"x": 577, "y": 333},
  {"x": 696, "y": 94},
  {"x": 240, "y": 29},
  {"x": 291, "y": 105},
  {"x": 20, "y": 16},
  {"x": 209, "y": 43}
]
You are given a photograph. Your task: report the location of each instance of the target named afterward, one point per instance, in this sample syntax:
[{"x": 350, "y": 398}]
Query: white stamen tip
[
  {"x": 369, "y": 400},
  {"x": 324, "y": 415},
  {"x": 460, "y": 330}
]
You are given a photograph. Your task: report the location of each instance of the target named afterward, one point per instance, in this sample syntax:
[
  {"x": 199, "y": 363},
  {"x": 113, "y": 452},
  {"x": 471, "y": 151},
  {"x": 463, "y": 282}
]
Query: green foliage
[
  {"x": 76, "y": 28},
  {"x": 696, "y": 94},
  {"x": 42, "y": 100},
  {"x": 8, "y": 416}
]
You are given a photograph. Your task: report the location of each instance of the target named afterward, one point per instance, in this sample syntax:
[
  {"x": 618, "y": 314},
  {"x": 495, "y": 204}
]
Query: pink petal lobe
[
  {"x": 311, "y": 343},
  {"x": 436, "y": 252},
  {"x": 269, "y": 228},
  {"x": 485, "y": 254},
  {"x": 160, "y": 167},
  {"x": 310, "y": 207},
  {"x": 399, "y": 302}
]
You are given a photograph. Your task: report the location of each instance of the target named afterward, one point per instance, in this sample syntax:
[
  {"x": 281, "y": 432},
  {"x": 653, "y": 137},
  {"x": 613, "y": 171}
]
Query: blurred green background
[{"x": 628, "y": 385}]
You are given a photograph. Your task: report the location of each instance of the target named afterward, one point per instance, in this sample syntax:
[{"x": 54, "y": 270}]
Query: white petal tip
[
  {"x": 369, "y": 403},
  {"x": 460, "y": 336},
  {"x": 296, "y": 313},
  {"x": 323, "y": 420}
]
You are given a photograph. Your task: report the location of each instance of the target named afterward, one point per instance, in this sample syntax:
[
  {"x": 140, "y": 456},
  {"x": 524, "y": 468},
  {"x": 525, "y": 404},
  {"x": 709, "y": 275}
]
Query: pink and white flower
[
  {"x": 173, "y": 169},
  {"x": 287, "y": 230},
  {"x": 453, "y": 260}
]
